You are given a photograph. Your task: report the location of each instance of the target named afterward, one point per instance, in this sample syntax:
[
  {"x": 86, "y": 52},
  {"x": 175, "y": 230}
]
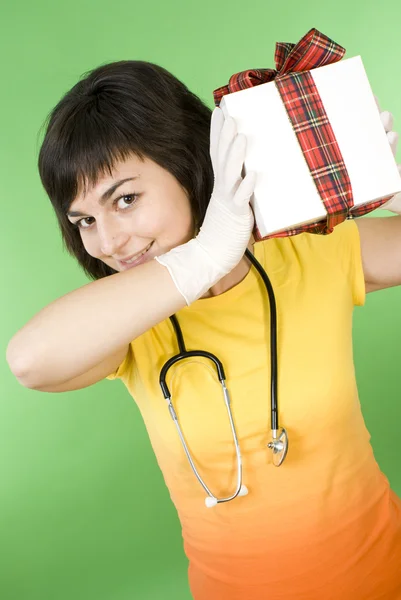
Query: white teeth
[{"x": 136, "y": 257}]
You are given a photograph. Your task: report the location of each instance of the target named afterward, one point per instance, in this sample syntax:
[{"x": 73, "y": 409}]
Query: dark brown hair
[{"x": 118, "y": 110}]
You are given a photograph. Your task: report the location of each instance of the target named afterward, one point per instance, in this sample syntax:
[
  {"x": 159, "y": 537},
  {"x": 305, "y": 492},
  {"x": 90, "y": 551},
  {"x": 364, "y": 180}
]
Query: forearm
[{"x": 79, "y": 330}]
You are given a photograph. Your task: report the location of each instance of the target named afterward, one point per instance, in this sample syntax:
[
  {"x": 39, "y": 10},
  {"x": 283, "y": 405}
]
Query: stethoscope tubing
[
  {"x": 280, "y": 443},
  {"x": 273, "y": 338},
  {"x": 182, "y": 355}
]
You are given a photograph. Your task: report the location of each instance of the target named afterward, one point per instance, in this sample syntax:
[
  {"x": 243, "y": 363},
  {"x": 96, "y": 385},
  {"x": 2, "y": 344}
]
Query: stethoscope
[{"x": 279, "y": 442}]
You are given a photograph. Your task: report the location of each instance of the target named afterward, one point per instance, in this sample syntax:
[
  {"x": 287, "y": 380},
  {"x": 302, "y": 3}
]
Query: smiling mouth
[{"x": 138, "y": 259}]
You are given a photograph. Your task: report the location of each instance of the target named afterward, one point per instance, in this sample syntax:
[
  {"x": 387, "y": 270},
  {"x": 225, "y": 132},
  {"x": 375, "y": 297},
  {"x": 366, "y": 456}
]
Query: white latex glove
[
  {"x": 221, "y": 242},
  {"x": 394, "y": 204}
]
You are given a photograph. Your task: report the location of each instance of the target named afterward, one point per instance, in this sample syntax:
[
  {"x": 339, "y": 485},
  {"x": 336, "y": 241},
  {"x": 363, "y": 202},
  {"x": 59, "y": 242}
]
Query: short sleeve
[
  {"x": 356, "y": 273},
  {"x": 343, "y": 247},
  {"x": 124, "y": 367},
  {"x": 336, "y": 256}
]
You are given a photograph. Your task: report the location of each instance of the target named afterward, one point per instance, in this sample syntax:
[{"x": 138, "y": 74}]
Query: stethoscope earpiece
[
  {"x": 212, "y": 501},
  {"x": 243, "y": 491}
]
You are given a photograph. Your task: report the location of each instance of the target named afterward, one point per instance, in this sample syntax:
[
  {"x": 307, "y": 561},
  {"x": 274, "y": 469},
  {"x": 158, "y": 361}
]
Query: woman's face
[{"x": 150, "y": 211}]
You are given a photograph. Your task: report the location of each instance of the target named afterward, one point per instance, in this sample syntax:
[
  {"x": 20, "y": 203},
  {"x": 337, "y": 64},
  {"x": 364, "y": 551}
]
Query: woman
[{"x": 135, "y": 174}]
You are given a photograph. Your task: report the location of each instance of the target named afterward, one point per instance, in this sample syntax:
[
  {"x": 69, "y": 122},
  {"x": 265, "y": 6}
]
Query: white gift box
[{"x": 285, "y": 194}]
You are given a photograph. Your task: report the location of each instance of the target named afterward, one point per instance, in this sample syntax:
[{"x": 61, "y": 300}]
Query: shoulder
[
  {"x": 335, "y": 246},
  {"x": 310, "y": 256}
]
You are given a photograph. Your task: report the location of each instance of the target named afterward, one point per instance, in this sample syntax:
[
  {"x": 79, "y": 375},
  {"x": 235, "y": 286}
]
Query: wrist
[{"x": 192, "y": 269}]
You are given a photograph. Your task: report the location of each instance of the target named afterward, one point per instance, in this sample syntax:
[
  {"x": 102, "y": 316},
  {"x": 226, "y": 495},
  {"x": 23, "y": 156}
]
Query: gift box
[{"x": 314, "y": 138}]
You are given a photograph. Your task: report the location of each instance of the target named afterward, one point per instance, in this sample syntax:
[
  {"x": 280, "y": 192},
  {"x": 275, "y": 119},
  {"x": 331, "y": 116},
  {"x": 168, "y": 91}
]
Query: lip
[{"x": 141, "y": 259}]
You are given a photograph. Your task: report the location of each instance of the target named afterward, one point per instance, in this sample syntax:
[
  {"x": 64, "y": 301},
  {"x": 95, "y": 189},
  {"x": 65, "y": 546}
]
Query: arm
[
  {"x": 101, "y": 371},
  {"x": 381, "y": 251},
  {"x": 80, "y": 330},
  {"x": 381, "y": 237}
]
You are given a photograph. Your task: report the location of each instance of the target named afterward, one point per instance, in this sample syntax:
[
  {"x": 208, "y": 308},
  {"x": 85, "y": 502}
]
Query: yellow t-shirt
[{"x": 325, "y": 524}]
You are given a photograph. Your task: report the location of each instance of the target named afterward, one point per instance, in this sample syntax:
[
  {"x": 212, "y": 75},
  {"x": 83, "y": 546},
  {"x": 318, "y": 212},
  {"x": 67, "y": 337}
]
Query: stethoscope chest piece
[{"x": 279, "y": 446}]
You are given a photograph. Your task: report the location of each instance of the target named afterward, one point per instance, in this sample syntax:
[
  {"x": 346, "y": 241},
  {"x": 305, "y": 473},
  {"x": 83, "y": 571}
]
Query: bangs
[{"x": 85, "y": 149}]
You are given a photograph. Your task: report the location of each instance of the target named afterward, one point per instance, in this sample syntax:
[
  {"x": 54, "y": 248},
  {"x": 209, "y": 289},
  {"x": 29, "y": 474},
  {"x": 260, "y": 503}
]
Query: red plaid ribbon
[{"x": 310, "y": 123}]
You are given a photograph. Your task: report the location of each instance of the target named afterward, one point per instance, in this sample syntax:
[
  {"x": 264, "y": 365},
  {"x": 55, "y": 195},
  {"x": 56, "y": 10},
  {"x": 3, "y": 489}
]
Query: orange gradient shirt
[{"x": 323, "y": 525}]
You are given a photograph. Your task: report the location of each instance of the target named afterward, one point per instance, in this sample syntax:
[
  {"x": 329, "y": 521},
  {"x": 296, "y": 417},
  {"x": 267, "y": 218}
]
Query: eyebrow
[{"x": 103, "y": 199}]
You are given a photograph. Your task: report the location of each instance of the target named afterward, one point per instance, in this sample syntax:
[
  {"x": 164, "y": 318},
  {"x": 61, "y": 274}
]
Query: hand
[
  {"x": 394, "y": 204},
  {"x": 224, "y": 235},
  {"x": 229, "y": 219}
]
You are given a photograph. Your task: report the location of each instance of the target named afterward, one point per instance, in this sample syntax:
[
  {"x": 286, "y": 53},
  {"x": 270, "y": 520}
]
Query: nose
[{"x": 111, "y": 238}]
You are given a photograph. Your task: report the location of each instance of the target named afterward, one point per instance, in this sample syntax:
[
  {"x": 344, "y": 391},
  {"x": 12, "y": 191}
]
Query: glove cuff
[{"x": 192, "y": 270}]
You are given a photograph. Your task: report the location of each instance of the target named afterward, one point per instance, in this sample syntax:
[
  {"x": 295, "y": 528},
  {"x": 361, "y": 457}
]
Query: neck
[{"x": 234, "y": 277}]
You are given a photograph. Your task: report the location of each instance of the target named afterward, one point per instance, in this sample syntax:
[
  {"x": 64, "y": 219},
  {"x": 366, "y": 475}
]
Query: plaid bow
[{"x": 310, "y": 124}]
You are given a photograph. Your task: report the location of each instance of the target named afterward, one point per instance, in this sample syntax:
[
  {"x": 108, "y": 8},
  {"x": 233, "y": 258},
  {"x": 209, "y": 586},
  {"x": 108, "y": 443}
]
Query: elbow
[{"x": 18, "y": 365}]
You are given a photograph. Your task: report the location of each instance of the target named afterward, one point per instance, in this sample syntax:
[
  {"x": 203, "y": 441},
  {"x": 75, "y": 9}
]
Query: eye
[{"x": 132, "y": 197}]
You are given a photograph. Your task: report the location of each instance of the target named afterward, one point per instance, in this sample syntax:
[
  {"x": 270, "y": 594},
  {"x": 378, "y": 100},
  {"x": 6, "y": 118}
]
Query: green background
[{"x": 84, "y": 512}]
